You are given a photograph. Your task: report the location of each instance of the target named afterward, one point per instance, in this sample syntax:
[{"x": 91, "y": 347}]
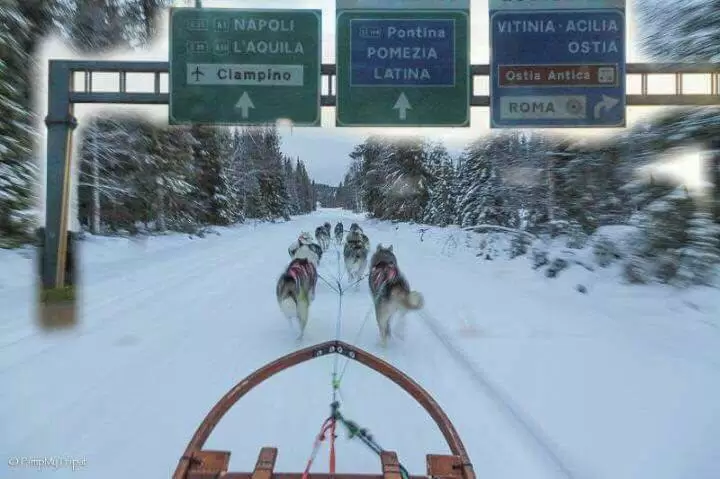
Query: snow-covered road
[{"x": 541, "y": 381}]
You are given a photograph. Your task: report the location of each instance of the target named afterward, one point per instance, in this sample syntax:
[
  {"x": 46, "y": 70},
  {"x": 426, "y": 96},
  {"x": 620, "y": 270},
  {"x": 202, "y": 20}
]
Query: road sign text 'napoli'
[{"x": 225, "y": 62}]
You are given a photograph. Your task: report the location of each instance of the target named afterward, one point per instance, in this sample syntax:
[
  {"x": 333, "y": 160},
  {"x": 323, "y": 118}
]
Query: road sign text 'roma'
[{"x": 557, "y": 64}]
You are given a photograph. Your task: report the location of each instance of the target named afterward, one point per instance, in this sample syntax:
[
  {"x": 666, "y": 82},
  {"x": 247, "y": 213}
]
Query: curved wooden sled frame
[{"x": 197, "y": 463}]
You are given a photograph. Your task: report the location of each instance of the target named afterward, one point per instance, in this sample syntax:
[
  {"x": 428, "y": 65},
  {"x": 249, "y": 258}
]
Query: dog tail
[
  {"x": 413, "y": 300},
  {"x": 287, "y": 295},
  {"x": 288, "y": 307}
]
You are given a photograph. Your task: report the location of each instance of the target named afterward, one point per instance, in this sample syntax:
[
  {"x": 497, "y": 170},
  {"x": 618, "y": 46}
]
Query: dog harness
[
  {"x": 381, "y": 274},
  {"x": 300, "y": 269}
]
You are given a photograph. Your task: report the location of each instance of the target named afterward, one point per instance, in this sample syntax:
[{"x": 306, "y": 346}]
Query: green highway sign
[
  {"x": 403, "y": 63},
  {"x": 244, "y": 67}
]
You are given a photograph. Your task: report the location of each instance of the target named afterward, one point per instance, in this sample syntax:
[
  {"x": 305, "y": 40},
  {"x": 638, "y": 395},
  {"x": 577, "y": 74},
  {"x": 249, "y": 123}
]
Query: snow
[{"x": 541, "y": 381}]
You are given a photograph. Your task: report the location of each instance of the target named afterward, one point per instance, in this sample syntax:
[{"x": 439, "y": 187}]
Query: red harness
[
  {"x": 381, "y": 274},
  {"x": 300, "y": 269}
]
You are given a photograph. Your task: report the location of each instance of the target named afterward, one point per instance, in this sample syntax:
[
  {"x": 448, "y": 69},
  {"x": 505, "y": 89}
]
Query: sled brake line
[
  {"x": 354, "y": 431},
  {"x": 328, "y": 427}
]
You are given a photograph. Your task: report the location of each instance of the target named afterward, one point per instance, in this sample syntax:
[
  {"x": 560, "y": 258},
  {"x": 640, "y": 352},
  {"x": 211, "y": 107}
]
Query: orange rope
[{"x": 329, "y": 424}]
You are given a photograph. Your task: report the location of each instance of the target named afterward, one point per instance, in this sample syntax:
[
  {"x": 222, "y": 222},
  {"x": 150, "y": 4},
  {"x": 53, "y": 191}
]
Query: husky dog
[
  {"x": 356, "y": 235},
  {"x": 355, "y": 254},
  {"x": 295, "y": 289},
  {"x": 322, "y": 235},
  {"x": 357, "y": 232},
  {"x": 339, "y": 230},
  {"x": 328, "y": 227},
  {"x": 306, "y": 239},
  {"x": 390, "y": 290}
]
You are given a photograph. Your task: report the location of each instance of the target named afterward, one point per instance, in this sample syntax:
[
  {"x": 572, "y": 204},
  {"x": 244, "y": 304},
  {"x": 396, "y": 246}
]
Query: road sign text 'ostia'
[{"x": 557, "y": 64}]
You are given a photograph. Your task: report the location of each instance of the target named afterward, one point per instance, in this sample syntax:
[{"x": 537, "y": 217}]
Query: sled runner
[{"x": 198, "y": 463}]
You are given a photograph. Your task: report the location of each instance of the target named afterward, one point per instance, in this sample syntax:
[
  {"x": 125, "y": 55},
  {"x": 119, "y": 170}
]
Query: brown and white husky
[
  {"x": 390, "y": 290},
  {"x": 295, "y": 289}
]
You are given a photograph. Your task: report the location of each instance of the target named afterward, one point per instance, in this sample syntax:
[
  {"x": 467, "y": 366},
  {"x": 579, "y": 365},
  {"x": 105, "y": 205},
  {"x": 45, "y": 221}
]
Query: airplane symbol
[{"x": 197, "y": 73}]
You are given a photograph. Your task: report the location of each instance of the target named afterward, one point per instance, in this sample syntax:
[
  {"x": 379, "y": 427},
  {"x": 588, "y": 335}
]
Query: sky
[{"x": 325, "y": 150}]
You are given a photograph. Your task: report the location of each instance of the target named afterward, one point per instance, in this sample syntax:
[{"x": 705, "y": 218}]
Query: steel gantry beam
[
  {"x": 156, "y": 96},
  {"x": 71, "y": 82}
]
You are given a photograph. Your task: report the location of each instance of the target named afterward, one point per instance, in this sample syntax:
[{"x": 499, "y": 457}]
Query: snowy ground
[{"x": 541, "y": 381}]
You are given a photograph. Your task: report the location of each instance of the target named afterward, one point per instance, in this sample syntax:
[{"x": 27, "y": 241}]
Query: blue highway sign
[
  {"x": 558, "y": 66},
  {"x": 398, "y": 52},
  {"x": 403, "y": 63}
]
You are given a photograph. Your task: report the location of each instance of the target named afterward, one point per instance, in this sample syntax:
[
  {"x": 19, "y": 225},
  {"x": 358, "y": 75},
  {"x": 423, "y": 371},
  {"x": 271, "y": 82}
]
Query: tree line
[
  {"x": 89, "y": 26},
  {"x": 132, "y": 173},
  {"x": 135, "y": 175},
  {"x": 550, "y": 187}
]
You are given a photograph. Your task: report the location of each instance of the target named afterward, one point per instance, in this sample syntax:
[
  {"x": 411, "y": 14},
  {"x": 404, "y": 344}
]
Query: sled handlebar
[{"x": 457, "y": 465}]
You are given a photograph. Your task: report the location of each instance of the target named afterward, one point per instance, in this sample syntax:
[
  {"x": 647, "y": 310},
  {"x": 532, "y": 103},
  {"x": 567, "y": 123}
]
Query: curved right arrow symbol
[{"x": 607, "y": 103}]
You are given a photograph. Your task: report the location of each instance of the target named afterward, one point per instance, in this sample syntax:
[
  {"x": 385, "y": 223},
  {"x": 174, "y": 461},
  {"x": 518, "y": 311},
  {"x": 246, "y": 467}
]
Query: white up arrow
[
  {"x": 606, "y": 103},
  {"x": 244, "y": 103},
  {"x": 402, "y": 105}
]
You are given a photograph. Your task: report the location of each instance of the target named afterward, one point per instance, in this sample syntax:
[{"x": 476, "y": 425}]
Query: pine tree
[
  {"x": 700, "y": 256},
  {"x": 373, "y": 157},
  {"x": 97, "y": 25},
  {"x": 405, "y": 193},
  {"x": 305, "y": 192},
  {"x": 482, "y": 199},
  {"x": 293, "y": 189},
  {"x": 103, "y": 149},
  {"x": 177, "y": 206},
  {"x": 440, "y": 205},
  {"x": 314, "y": 196},
  {"x": 102, "y": 25},
  {"x": 686, "y": 31},
  {"x": 16, "y": 169},
  {"x": 664, "y": 227},
  {"x": 217, "y": 198},
  {"x": 143, "y": 15},
  {"x": 263, "y": 188}
]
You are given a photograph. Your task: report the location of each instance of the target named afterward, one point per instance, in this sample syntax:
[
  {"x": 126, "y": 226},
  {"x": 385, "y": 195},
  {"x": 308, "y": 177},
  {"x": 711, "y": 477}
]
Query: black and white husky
[
  {"x": 339, "y": 231},
  {"x": 390, "y": 291},
  {"x": 322, "y": 235},
  {"x": 295, "y": 289},
  {"x": 307, "y": 240},
  {"x": 355, "y": 254}
]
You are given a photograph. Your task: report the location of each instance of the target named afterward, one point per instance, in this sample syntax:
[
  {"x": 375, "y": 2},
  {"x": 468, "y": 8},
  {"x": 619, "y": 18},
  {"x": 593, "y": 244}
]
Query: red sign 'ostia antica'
[{"x": 557, "y": 75}]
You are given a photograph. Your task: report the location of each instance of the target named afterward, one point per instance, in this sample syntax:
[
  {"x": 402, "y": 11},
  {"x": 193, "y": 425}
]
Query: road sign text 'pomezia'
[{"x": 403, "y": 63}]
